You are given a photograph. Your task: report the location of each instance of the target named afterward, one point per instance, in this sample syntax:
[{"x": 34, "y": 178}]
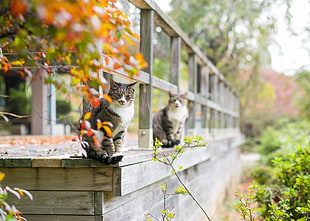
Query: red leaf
[{"x": 95, "y": 101}]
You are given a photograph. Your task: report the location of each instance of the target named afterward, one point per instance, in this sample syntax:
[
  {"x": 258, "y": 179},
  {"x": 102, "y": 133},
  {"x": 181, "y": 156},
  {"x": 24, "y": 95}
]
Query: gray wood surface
[
  {"x": 56, "y": 202},
  {"x": 59, "y": 178}
]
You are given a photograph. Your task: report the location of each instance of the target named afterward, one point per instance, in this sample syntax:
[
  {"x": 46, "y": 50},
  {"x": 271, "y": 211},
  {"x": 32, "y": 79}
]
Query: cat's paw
[
  {"x": 177, "y": 142},
  {"x": 113, "y": 159},
  {"x": 169, "y": 143}
]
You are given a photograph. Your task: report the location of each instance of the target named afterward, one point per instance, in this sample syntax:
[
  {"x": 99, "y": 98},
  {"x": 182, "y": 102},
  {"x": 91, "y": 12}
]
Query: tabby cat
[
  {"x": 168, "y": 122},
  {"x": 119, "y": 113}
]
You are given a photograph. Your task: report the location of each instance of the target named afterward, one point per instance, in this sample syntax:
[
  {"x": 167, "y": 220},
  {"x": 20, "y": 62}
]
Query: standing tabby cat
[
  {"x": 168, "y": 122},
  {"x": 119, "y": 113}
]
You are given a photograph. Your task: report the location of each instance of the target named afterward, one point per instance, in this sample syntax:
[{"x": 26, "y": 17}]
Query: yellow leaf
[
  {"x": 2, "y": 175},
  {"x": 87, "y": 115},
  {"x": 108, "y": 130},
  {"x": 107, "y": 98}
]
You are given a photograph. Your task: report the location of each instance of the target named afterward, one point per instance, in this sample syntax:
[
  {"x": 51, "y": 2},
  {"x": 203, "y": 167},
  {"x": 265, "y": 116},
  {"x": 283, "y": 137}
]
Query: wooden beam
[
  {"x": 175, "y": 61},
  {"x": 39, "y": 119},
  {"x": 192, "y": 86},
  {"x": 99, "y": 179},
  {"x": 145, "y": 108}
]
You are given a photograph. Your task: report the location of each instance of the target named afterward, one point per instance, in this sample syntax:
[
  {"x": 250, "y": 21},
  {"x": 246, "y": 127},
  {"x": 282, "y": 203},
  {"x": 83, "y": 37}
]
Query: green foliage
[
  {"x": 263, "y": 175},
  {"x": 244, "y": 206},
  {"x": 287, "y": 196},
  {"x": 303, "y": 78},
  {"x": 284, "y": 136},
  {"x": 10, "y": 212},
  {"x": 18, "y": 101},
  {"x": 63, "y": 108}
]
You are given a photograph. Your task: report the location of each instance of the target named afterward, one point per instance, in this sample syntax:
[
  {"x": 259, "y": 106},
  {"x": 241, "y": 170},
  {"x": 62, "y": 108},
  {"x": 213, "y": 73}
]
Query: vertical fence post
[
  {"x": 39, "y": 119},
  {"x": 192, "y": 86},
  {"x": 205, "y": 94},
  {"x": 145, "y": 105},
  {"x": 175, "y": 61}
]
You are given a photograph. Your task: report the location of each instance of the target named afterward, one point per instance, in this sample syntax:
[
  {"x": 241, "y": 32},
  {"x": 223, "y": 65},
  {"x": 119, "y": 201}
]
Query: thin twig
[
  {"x": 189, "y": 192},
  {"x": 15, "y": 115}
]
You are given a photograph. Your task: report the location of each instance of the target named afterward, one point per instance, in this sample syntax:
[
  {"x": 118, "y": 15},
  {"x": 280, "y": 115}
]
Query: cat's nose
[{"x": 121, "y": 102}]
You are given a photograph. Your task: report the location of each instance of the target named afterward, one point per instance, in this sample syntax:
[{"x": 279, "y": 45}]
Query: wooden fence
[
  {"x": 216, "y": 99},
  {"x": 66, "y": 188}
]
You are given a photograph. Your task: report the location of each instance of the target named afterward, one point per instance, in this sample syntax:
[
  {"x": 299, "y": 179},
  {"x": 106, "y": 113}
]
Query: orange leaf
[
  {"x": 96, "y": 142},
  {"x": 106, "y": 60},
  {"x": 6, "y": 67},
  {"x": 90, "y": 132},
  {"x": 2, "y": 175},
  {"x": 107, "y": 98},
  {"x": 18, "y": 7},
  {"x": 116, "y": 65},
  {"x": 87, "y": 115}
]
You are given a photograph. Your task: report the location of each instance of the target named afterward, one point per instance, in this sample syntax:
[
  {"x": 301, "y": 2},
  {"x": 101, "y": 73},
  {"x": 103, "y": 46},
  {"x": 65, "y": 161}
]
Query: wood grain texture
[
  {"x": 59, "y": 178},
  {"x": 56, "y": 202},
  {"x": 136, "y": 176},
  {"x": 61, "y": 218}
]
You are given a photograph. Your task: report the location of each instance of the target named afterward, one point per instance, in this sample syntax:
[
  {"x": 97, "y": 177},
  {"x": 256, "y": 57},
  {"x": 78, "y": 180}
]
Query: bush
[
  {"x": 284, "y": 136},
  {"x": 18, "y": 101},
  {"x": 287, "y": 196}
]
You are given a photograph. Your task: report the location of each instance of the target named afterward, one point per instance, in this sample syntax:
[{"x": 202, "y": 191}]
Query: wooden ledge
[{"x": 136, "y": 171}]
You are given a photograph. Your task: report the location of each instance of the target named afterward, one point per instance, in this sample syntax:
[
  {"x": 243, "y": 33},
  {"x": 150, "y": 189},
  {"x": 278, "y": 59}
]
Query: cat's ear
[
  {"x": 133, "y": 84},
  {"x": 170, "y": 94},
  {"x": 112, "y": 82},
  {"x": 185, "y": 94}
]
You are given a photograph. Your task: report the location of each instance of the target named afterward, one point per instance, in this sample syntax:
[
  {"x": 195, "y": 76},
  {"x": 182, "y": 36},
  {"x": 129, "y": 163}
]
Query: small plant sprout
[{"x": 168, "y": 158}]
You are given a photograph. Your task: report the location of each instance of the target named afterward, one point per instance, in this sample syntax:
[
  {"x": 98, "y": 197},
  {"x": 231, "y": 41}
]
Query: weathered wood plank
[
  {"x": 56, "y": 202},
  {"x": 175, "y": 61},
  {"x": 60, "y": 218},
  {"x": 99, "y": 179},
  {"x": 145, "y": 110},
  {"x": 136, "y": 176},
  {"x": 46, "y": 162}
]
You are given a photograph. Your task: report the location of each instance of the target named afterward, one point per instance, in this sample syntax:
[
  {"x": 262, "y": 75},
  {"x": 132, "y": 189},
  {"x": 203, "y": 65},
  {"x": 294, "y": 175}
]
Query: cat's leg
[
  {"x": 178, "y": 135},
  {"x": 119, "y": 142},
  {"x": 169, "y": 135},
  {"x": 108, "y": 145}
]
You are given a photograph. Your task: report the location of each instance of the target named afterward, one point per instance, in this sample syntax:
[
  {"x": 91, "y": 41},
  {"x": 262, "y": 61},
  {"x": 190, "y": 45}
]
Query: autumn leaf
[
  {"x": 87, "y": 116},
  {"x": 107, "y": 98},
  {"x": 108, "y": 130},
  {"x": 75, "y": 81},
  {"x": 6, "y": 67},
  {"x": 95, "y": 101},
  {"x": 116, "y": 65},
  {"x": 18, "y": 7},
  {"x": 106, "y": 59},
  {"x": 90, "y": 132},
  {"x": 2, "y": 175},
  {"x": 18, "y": 62}
]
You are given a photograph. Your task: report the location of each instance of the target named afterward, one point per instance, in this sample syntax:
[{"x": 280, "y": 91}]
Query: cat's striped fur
[
  {"x": 168, "y": 123},
  {"x": 119, "y": 113}
]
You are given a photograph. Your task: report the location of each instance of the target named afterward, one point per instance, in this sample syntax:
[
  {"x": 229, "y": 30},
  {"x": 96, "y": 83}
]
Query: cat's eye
[{"x": 128, "y": 97}]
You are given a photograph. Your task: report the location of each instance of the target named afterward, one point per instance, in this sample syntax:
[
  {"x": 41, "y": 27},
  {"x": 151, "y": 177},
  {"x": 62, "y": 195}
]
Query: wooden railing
[{"x": 219, "y": 101}]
